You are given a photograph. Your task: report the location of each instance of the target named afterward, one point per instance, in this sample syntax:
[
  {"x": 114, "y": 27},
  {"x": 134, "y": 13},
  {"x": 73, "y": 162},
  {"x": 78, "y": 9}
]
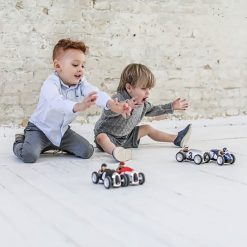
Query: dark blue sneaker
[{"x": 183, "y": 136}]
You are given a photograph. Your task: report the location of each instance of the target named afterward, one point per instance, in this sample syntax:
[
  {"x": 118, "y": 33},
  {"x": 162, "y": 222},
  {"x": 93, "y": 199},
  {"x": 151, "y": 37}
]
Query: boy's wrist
[
  {"x": 172, "y": 107},
  {"x": 77, "y": 108},
  {"x": 109, "y": 103},
  {"x": 74, "y": 110},
  {"x": 169, "y": 107}
]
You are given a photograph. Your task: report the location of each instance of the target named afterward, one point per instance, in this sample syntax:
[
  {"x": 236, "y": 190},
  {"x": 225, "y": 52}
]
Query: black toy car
[{"x": 109, "y": 177}]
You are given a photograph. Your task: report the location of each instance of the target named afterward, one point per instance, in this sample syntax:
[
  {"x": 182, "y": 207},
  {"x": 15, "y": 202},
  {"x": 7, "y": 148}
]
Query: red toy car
[{"x": 133, "y": 176}]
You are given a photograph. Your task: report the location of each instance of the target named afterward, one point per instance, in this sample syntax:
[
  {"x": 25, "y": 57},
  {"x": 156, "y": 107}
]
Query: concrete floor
[{"x": 53, "y": 203}]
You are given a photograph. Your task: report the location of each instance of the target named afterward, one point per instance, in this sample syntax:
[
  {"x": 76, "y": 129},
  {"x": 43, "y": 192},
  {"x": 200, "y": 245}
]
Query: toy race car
[
  {"x": 222, "y": 156},
  {"x": 109, "y": 177},
  {"x": 133, "y": 177},
  {"x": 193, "y": 155}
]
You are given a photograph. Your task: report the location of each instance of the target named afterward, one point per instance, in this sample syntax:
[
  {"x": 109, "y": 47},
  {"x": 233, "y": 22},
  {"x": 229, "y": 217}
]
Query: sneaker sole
[
  {"x": 122, "y": 154},
  {"x": 186, "y": 138}
]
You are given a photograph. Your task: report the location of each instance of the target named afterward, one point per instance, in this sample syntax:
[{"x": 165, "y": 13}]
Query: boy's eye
[{"x": 76, "y": 65}]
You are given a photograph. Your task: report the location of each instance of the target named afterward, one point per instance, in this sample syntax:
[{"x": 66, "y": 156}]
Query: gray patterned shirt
[{"x": 115, "y": 125}]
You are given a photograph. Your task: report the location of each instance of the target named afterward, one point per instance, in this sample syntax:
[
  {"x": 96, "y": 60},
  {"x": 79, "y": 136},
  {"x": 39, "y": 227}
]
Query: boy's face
[
  {"x": 70, "y": 66},
  {"x": 140, "y": 93}
]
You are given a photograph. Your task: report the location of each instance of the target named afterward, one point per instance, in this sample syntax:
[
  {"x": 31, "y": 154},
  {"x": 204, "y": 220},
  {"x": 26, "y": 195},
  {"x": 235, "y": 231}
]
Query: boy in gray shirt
[{"x": 113, "y": 133}]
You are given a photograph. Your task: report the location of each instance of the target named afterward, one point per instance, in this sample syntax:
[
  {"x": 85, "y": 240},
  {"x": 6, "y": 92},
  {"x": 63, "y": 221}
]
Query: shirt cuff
[
  {"x": 102, "y": 100},
  {"x": 169, "y": 108},
  {"x": 69, "y": 106}
]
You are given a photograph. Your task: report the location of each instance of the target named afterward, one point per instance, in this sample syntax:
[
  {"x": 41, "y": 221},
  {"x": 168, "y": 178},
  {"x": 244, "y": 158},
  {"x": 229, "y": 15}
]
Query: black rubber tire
[
  {"x": 180, "y": 157},
  {"x": 233, "y": 158},
  {"x": 124, "y": 180},
  {"x": 128, "y": 179},
  {"x": 95, "y": 177},
  {"x": 206, "y": 157},
  {"x": 108, "y": 182},
  {"x": 141, "y": 177},
  {"x": 220, "y": 160},
  {"x": 199, "y": 157}
]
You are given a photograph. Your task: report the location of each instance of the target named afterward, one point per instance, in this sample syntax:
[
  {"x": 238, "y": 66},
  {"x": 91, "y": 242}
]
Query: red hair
[{"x": 65, "y": 44}]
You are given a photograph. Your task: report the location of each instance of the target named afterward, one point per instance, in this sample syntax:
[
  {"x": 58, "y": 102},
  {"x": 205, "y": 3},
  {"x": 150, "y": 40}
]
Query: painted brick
[{"x": 196, "y": 50}]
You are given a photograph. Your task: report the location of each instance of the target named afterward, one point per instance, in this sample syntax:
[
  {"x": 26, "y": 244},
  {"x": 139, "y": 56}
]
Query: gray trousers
[{"x": 36, "y": 142}]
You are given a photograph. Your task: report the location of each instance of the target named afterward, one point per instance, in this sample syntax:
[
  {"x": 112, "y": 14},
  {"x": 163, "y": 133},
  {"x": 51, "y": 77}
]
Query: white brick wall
[{"x": 196, "y": 49}]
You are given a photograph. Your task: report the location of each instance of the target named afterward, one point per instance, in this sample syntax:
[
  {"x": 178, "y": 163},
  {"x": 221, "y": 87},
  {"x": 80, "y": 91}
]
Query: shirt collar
[
  {"x": 125, "y": 94},
  {"x": 65, "y": 85}
]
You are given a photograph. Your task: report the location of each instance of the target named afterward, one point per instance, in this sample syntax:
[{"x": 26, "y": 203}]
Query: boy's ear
[
  {"x": 56, "y": 65},
  {"x": 128, "y": 87}
]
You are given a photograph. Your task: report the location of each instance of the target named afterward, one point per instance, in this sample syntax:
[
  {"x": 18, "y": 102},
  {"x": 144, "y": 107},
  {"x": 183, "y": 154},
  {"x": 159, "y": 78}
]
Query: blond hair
[{"x": 136, "y": 75}]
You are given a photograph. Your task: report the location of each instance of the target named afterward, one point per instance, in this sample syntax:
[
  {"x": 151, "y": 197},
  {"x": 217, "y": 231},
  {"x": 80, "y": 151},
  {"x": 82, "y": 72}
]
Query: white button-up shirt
[{"x": 54, "y": 111}]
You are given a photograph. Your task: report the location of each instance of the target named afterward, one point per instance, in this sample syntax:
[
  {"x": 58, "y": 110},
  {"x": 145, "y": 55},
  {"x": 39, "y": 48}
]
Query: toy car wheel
[
  {"x": 124, "y": 180},
  {"x": 220, "y": 160},
  {"x": 135, "y": 178},
  {"x": 233, "y": 159},
  {"x": 197, "y": 159},
  {"x": 180, "y": 157},
  {"x": 95, "y": 177},
  {"x": 141, "y": 178},
  {"x": 128, "y": 179},
  {"x": 206, "y": 157},
  {"x": 108, "y": 182},
  {"x": 117, "y": 181}
]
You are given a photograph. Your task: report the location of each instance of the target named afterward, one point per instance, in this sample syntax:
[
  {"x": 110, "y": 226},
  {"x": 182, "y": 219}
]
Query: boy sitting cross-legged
[{"x": 113, "y": 133}]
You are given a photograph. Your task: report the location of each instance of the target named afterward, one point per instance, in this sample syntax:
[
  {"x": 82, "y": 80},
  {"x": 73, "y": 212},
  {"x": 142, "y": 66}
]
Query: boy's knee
[
  {"x": 147, "y": 128},
  {"x": 25, "y": 153},
  {"x": 29, "y": 157},
  {"x": 100, "y": 138},
  {"x": 87, "y": 153}
]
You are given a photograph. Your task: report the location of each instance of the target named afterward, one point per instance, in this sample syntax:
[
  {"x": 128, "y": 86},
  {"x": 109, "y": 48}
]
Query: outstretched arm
[
  {"x": 88, "y": 101},
  {"x": 180, "y": 104}
]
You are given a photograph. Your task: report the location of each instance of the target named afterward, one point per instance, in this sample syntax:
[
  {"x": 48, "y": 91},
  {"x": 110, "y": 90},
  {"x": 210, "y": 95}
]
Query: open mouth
[
  {"x": 144, "y": 99},
  {"x": 78, "y": 77}
]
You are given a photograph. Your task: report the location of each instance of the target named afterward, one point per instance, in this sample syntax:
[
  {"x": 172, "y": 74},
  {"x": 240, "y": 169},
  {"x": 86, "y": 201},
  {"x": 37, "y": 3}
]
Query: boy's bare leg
[
  {"x": 104, "y": 141},
  {"x": 154, "y": 134},
  {"x": 118, "y": 153}
]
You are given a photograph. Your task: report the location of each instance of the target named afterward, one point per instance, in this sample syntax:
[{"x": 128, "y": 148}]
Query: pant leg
[
  {"x": 76, "y": 144},
  {"x": 35, "y": 141}
]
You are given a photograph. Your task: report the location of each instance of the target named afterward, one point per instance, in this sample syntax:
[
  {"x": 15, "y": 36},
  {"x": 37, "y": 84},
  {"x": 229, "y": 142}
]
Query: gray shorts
[{"x": 128, "y": 141}]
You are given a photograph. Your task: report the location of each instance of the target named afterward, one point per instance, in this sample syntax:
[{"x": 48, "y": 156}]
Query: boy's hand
[
  {"x": 132, "y": 103},
  {"x": 119, "y": 107},
  {"x": 180, "y": 104},
  {"x": 87, "y": 102}
]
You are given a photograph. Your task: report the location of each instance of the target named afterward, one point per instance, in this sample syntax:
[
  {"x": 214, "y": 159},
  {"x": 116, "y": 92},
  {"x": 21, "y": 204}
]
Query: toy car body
[
  {"x": 222, "y": 156},
  {"x": 110, "y": 178},
  {"x": 193, "y": 155},
  {"x": 134, "y": 178}
]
